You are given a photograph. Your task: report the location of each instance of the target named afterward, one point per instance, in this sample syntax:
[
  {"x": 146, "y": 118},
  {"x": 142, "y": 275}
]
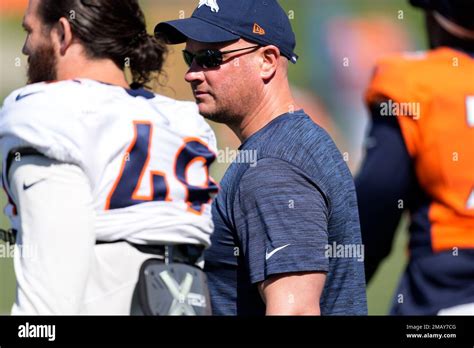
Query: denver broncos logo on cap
[{"x": 210, "y": 3}]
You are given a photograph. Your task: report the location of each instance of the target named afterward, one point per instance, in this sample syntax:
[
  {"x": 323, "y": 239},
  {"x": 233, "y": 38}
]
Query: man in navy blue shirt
[{"x": 287, "y": 236}]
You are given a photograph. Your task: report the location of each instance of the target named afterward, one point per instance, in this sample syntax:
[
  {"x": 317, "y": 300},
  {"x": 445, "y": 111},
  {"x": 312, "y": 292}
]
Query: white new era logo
[{"x": 210, "y": 3}]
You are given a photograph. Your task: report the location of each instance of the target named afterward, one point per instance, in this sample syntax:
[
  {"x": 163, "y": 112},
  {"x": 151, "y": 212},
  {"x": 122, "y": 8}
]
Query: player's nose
[{"x": 24, "y": 50}]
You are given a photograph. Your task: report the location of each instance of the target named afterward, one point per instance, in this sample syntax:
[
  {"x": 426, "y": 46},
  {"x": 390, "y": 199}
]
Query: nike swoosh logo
[
  {"x": 27, "y": 187},
  {"x": 269, "y": 255},
  {"x": 20, "y": 97}
]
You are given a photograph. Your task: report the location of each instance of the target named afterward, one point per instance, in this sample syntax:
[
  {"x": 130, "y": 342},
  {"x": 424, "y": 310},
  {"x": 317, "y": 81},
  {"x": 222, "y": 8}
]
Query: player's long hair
[{"x": 113, "y": 29}]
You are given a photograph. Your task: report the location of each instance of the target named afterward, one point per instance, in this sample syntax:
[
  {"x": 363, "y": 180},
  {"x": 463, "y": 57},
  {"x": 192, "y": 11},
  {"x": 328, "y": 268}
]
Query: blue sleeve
[
  {"x": 385, "y": 178},
  {"x": 282, "y": 221}
]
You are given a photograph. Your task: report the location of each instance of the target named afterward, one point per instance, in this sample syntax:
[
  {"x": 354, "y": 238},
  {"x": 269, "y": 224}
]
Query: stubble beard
[
  {"x": 229, "y": 111},
  {"x": 222, "y": 115}
]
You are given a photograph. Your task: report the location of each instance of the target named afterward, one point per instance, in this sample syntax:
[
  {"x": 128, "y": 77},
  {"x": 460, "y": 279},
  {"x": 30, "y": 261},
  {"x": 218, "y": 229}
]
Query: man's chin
[
  {"x": 205, "y": 109},
  {"x": 208, "y": 115},
  {"x": 212, "y": 112}
]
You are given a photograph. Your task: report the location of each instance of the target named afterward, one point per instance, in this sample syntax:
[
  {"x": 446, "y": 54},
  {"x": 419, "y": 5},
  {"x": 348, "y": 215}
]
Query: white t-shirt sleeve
[{"x": 56, "y": 238}]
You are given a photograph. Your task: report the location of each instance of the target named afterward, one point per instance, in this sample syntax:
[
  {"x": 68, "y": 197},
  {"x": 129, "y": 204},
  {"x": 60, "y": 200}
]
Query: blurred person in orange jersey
[
  {"x": 420, "y": 159},
  {"x": 13, "y": 6}
]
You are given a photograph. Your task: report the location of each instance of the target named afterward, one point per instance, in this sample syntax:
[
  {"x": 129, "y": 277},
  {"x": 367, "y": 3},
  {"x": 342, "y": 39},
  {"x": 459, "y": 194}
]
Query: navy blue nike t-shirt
[{"x": 287, "y": 204}]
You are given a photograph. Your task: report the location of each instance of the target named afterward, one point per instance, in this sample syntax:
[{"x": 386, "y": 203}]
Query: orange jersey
[{"x": 437, "y": 89}]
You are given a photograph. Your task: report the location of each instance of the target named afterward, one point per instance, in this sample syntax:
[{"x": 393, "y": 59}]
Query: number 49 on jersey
[{"x": 135, "y": 167}]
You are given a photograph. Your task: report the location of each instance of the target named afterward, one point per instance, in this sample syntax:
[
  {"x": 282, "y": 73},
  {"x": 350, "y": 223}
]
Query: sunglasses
[{"x": 209, "y": 58}]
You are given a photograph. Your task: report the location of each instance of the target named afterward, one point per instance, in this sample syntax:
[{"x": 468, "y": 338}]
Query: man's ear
[
  {"x": 270, "y": 58},
  {"x": 64, "y": 35}
]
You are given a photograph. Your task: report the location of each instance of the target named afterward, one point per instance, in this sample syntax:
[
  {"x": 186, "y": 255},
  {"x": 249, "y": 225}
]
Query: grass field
[
  {"x": 383, "y": 285},
  {"x": 7, "y": 278}
]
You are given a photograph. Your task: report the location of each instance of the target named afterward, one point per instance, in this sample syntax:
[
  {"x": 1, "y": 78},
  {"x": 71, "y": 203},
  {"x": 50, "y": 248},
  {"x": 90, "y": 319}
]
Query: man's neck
[
  {"x": 271, "y": 107},
  {"x": 103, "y": 70}
]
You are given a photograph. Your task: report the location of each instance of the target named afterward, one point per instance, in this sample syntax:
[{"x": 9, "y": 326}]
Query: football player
[
  {"x": 102, "y": 177},
  {"x": 420, "y": 159}
]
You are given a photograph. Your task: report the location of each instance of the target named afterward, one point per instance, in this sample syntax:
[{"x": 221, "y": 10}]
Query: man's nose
[
  {"x": 24, "y": 50},
  {"x": 194, "y": 73}
]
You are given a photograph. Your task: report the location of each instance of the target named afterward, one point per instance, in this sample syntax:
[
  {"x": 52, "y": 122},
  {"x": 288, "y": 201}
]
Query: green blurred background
[{"x": 339, "y": 42}]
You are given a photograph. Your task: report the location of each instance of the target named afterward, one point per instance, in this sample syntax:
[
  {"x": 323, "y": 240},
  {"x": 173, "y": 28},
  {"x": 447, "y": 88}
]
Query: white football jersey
[{"x": 146, "y": 156}]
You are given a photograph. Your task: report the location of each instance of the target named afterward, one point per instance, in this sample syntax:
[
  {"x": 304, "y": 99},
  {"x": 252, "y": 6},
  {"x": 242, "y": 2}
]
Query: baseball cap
[{"x": 261, "y": 21}]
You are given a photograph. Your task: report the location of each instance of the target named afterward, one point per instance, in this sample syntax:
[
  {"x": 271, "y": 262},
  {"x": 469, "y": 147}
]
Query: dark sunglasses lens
[
  {"x": 188, "y": 57},
  {"x": 209, "y": 59},
  {"x": 205, "y": 59}
]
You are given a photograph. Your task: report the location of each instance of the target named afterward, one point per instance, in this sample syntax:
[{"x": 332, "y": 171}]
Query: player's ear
[
  {"x": 64, "y": 35},
  {"x": 270, "y": 56}
]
